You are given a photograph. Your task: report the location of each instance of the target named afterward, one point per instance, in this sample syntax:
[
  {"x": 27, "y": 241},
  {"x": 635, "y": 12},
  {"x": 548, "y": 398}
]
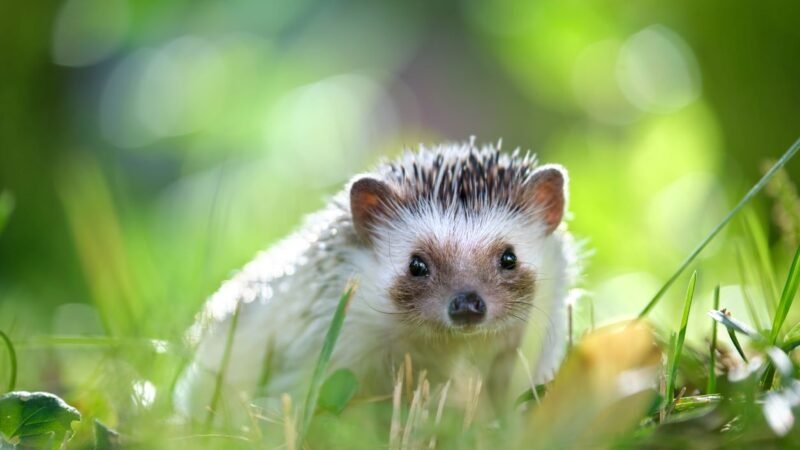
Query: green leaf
[
  {"x": 104, "y": 437},
  {"x": 337, "y": 391},
  {"x": 528, "y": 395},
  {"x": 36, "y": 419}
]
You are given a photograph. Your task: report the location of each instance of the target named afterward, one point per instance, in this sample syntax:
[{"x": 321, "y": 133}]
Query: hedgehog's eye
[
  {"x": 508, "y": 260},
  {"x": 417, "y": 267}
]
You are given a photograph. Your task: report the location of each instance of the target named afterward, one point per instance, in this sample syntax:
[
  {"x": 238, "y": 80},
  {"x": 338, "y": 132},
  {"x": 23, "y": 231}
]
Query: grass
[
  {"x": 6, "y": 206},
  {"x": 605, "y": 395},
  {"x": 12, "y": 360},
  {"x": 672, "y": 373},
  {"x": 787, "y": 298},
  {"x": 325, "y": 353},
  {"x": 226, "y": 356},
  {"x": 766, "y": 272},
  {"x": 711, "y": 386},
  {"x": 787, "y": 156}
]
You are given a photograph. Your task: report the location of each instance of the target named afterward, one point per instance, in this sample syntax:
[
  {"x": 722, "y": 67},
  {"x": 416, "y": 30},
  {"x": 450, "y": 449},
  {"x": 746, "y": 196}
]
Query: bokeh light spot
[
  {"x": 595, "y": 84},
  {"x": 87, "y": 31},
  {"x": 657, "y": 70},
  {"x": 144, "y": 393},
  {"x": 118, "y": 121},
  {"x": 179, "y": 89},
  {"x": 325, "y": 129}
]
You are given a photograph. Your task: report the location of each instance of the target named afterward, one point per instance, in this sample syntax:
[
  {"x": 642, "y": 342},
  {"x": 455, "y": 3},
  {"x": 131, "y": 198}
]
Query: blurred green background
[{"x": 151, "y": 148}]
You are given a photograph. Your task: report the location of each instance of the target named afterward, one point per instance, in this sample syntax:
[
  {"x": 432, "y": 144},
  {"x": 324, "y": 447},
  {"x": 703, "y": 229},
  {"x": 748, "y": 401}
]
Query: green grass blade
[
  {"x": 226, "y": 356},
  {"x": 787, "y": 298},
  {"x": 322, "y": 363},
  {"x": 791, "y": 339},
  {"x": 736, "y": 344},
  {"x": 711, "y": 386},
  {"x": 790, "y": 345},
  {"x": 778, "y": 360},
  {"x": 746, "y": 199},
  {"x": 744, "y": 283},
  {"x": 696, "y": 402},
  {"x": 12, "y": 358},
  {"x": 687, "y": 306},
  {"x": 6, "y": 206},
  {"x": 766, "y": 272},
  {"x": 733, "y": 326}
]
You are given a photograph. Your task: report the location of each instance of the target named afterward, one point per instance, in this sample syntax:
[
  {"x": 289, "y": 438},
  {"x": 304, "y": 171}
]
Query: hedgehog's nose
[{"x": 467, "y": 308}]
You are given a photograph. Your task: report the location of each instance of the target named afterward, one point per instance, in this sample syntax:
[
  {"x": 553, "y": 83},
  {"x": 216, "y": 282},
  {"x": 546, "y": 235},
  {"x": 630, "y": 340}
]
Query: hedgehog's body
[{"x": 454, "y": 250}]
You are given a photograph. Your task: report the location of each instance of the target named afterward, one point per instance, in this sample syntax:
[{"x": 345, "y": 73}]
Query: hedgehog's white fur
[{"x": 288, "y": 295}]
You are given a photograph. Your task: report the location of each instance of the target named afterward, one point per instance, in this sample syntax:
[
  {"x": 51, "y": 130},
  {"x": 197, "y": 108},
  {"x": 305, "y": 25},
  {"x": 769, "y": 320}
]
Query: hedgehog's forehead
[
  {"x": 455, "y": 228},
  {"x": 459, "y": 176}
]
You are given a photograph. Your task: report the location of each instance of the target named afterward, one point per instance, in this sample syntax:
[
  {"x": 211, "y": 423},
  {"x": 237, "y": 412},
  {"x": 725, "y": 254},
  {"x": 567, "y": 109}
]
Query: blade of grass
[
  {"x": 747, "y": 197},
  {"x": 787, "y": 298},
  {"x": 766, "y": 272},
  {"x": 67, "y": 340},
  {"x": 736, "y": 344},
  {"x": 744, "y": 283},
  {"x": 687, "y": 306},
  {"x": 322, "y": 363},
  {"x": 6, "y": 206},
  {"x": 100, "y": 241},
  {"x": 791, "y": 339},
  {"x": 226, "y": 356},
  {"x": 289, "y": 430},
  {"x": 685, "y": 404},
  {"x": 662, "y": 411},
  {"x": 780, "y": 361},
  {"x": 733, "y": 326},
  {"x": 12, "y": 358},
  {"x": 711, "y": 386}
]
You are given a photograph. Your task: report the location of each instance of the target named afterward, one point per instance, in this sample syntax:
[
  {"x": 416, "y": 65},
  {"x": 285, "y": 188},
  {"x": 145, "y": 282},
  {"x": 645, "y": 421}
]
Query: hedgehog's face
[
  {"x": 456, "y": 268},
  {"x": 466, "y": 284}
]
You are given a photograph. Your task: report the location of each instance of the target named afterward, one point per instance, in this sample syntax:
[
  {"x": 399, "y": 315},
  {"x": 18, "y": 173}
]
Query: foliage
[
  {"x": 337, "y": 390},
  {"x": 35, "y": 420}
]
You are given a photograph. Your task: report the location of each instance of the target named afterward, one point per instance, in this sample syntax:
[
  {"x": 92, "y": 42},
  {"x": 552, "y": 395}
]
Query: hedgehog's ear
[
  {"x": 370, "y": 200},
  {"x": 545, "y": 196}
]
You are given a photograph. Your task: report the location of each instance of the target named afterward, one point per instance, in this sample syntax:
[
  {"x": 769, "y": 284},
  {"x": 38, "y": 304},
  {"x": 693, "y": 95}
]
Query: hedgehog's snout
[{"x": 467, "y": 308}]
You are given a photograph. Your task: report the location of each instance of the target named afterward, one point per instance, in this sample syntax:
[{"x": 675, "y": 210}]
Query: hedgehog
[{"x": 457, "y": 251}]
